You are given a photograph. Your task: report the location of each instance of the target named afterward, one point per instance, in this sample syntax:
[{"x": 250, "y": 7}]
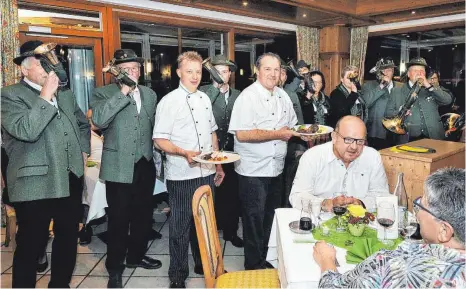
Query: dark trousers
[
  {"x": 182, "y": 230},
  {"x": 130, "y": 208},
  {"x": 259, "y": 197},
  {"x": 227, "y": 207},
  {"x": 33, "y": 222}
]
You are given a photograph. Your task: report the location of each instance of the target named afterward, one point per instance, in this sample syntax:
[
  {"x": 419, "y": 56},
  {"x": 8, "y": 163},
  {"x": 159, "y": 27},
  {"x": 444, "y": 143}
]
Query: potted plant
[{"x": 358, "y": 218}]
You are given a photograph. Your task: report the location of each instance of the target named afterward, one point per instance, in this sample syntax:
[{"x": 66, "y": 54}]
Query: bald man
[{"x": 344, "y": 165}]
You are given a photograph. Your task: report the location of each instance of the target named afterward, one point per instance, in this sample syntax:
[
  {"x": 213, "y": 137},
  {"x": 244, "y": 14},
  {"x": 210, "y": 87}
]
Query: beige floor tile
[
  {"x": 44, "y": 281},
  {"x": 97, "y": 282},
  {"x": 7, "y": 261},
  {"x": 100, "y": 269}
]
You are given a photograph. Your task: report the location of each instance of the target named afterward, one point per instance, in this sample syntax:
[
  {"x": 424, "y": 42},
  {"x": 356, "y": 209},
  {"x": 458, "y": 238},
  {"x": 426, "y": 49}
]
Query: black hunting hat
[
  {"x": 223, "y": 60},
  {"x": 417, "y": 61},
  {"x": 26, "y": 50},
  {"x": 383, "y": 63},
  {"x": 302, "y": 64},
  {"x": 126, "y": 55}
]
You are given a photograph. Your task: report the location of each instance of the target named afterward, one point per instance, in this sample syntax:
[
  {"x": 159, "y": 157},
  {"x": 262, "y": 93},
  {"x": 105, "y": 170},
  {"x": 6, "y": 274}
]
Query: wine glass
[
  {"x": 386, "y": 218},
  {"x": 339, "y": 209},
  {"x": 410, "y": 227},
  {"x": 305, "y": 221},
  {"x": 316, "y": 206}
]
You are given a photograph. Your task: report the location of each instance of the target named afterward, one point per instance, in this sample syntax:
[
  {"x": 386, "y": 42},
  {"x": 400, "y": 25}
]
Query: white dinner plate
[
  {"x": 326, "y": 129},
  {"x": 231, "y": 158}
]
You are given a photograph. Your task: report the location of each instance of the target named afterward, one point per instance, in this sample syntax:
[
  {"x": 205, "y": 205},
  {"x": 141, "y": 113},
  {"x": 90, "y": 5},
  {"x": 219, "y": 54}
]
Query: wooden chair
[{"x": 211, "y": 252}]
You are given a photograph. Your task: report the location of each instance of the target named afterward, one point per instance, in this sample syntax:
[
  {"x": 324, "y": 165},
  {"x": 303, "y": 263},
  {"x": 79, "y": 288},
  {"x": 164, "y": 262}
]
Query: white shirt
[
  {"x": 96, "y": 147},
  {"x": 186, "y": 119},
  {"x": 257, "y": 108},
  {"x": 227, "y": 94},
  {"x": 320, "y": 174},
  {"x": 389, "y": 86},
  {"x": 136, "y": 95},
  {"x": 39, "y": 88}
]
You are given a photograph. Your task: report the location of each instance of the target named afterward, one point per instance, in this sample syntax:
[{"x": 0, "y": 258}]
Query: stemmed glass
[
  {"x": 339, "y": 209},
  {"x": 409, "y": 227},
  {"x": 386, "y": 218}
]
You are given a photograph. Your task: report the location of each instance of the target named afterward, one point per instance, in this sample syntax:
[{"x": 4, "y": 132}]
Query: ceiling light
[
  {"x": 161, "y": 54},
  {"x": 413, "y": 12},
  {"x": 407, "y": 36},
  {"x": 430, "y": 50},
  {"x": 304, "y": 15},
  {"x": 456, "y": 46},
  {"x": 245, "y": 3}
]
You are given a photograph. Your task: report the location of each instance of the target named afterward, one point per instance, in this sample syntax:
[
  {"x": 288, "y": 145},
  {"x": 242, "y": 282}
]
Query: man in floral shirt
[{"x": 439, "y": 262}]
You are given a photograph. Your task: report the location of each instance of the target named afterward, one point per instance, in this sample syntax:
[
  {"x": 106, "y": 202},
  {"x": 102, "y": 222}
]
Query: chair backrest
[{"x": 207, "y": 235}]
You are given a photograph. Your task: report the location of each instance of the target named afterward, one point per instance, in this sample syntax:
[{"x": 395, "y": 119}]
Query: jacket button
[
  {"x": 134, "y": 103},
  {"x": 136, "y": 128},
  {"x": 66, "y": 133},
  {"x": 132, "y": 154},
  {"x": 43, "y": 107},
  {"x": 142, "y": 134},
  {"x": 59, "y": 116},
  {"x": 68, "y": 168},
  {"x": 66, "y": 149}
]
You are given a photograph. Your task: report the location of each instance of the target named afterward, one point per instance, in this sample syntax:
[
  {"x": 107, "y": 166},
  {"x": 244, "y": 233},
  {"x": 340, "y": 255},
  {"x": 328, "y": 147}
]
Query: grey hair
[
  {"x": 271, "y": 54},
  {"x": 445, "y": 196},
  {"x": 26, "y": 63}
]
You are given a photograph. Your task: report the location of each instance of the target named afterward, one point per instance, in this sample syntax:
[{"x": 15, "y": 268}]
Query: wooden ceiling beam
[
  {"x": 371, "y": 7},
  {"x": 345, "y": 7}
]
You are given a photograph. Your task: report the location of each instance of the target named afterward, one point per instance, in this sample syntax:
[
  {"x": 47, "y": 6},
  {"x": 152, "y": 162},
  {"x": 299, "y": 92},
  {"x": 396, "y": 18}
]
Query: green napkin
[
  {"x": 361, "y": 249},
  {"x": 91, "y": 164}
]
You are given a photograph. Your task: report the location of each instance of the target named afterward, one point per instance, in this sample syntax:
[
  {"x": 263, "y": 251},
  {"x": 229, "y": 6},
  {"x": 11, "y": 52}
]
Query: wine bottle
[{"x": 400, "y": 193}]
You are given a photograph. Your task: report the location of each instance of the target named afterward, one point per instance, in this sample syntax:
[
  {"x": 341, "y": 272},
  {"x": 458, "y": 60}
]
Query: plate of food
[
  {"x": 216, "y": 158},
  {"x": 312, "y": 129}
]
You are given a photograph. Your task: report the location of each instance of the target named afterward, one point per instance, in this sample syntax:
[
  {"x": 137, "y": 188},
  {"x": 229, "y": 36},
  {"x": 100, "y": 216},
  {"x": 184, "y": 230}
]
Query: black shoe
[
  {"x": 235, "y": 241},
  {"x": 85, "y": 235},
  {"x": 146, "y": 263},
  {"x": 41, "y": 267},
  {"x": 198, "y": 269},
  {"x": 115, "y": 280},
  {"x": 177, "y": 285},
  {"x": 153, "y": 234}
]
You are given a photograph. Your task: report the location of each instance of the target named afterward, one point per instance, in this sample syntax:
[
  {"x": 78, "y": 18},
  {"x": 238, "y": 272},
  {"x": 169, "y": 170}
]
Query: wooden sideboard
[{"x": 417, "y": 166}]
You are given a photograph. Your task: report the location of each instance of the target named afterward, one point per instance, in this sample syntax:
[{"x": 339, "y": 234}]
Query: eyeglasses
[
  {"x": 133, "y": 69},
  {"x": 350, "y": 140},
  {"x": 417, "y": 206}
]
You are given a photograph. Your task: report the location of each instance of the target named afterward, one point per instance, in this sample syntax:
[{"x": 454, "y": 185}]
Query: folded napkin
[
  {"x": 361, "y": 249},
  {"x": 304, "y": 239},
  {"x": 91, "y": 164}
]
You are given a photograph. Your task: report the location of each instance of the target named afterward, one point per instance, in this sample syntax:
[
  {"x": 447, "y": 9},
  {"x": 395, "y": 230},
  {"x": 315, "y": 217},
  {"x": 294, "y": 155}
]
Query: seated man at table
[
  {"x": 439, "y": 262},
  {"x": 343, "y": 165}
]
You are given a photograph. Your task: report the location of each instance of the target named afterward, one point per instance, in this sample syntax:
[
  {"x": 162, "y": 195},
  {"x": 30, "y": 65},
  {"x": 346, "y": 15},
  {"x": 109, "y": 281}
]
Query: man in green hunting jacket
[
  {"x": 423, "y": 120},
  {"x": 46, "y": 137},
  {"x": 223, "y": 97},
  {"x": 126, "y": 117}
]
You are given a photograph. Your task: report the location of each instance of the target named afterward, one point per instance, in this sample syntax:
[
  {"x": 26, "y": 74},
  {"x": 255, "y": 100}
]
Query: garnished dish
[
  {"x": 217, "y": 157},
  {"x": 312, "y": 129}
]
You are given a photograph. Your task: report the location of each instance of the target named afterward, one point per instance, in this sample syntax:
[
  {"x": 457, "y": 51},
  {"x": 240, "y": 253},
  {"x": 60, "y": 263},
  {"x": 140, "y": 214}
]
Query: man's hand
[
  {"x": 189, "y": 156},
  {"x": 286, "y": 133},
  {"x": 125, "y": 89},
  {"x": 425, "y": 82},
  {"x": 50, "y": 87},
  {"x": 219, "y": 175},
  {"x": 328, "y": 204},
  {"x": 353, "y": 87}
]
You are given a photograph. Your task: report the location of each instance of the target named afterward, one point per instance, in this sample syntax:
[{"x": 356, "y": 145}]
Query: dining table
[{"x": 292, "y": 253}]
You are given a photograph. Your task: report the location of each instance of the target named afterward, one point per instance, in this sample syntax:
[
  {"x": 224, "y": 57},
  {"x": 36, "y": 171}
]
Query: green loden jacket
[
  {"x": 44, "y": 144},
  {"x": 127, "y": 133},
  {"x": 424, "y": 118}
]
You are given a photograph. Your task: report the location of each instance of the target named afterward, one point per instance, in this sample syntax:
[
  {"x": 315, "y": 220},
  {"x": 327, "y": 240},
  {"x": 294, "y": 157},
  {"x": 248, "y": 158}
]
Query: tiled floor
[{"x": 90, "y": 269}]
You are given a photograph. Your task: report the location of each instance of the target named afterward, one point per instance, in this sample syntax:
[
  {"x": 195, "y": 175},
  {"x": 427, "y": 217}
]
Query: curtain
[
  {"x": 81, "y": 65},
  {"x": 358, "y": 49},
  {"x": 9, "y": 42},
  {"x": 308, "y": 45}
]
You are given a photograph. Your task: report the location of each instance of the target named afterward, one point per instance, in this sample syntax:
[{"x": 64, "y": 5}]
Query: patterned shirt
[{"x": 409, "y": 266}]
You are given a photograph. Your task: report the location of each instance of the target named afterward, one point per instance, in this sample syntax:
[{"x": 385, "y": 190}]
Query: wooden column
[
  {"x": 180, "y": 42},
  {"x": 333, "y": 54},
  {"x": 231, "y": 52}
]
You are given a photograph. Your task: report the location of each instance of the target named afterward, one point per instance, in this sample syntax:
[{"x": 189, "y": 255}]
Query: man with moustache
[
  {"x": 261, "y": 120},
  {"x": 376, "y": 94},
  {"x": 423, "y": 119},
  {"x": 343, "y": 165},
  {"x": 46, "y": 137},
  {"x": 223, "y": 97},
  {"x": 184, "y": 127},
  {"x": 125, "y": 115}
]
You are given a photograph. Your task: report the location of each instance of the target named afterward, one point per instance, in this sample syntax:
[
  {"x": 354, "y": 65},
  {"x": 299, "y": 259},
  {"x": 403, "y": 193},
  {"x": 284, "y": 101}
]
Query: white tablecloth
[
  {"x": 295, "y": 263},
  {"x": 95, "y": 195}
]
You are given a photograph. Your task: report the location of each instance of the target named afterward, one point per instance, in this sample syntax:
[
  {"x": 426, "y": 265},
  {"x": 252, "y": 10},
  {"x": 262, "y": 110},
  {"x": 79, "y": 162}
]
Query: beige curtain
[
  {"x": 9, "y": 42},
  {"x": 358, "y": 48},
  {"x": 308, "y": 45}
]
